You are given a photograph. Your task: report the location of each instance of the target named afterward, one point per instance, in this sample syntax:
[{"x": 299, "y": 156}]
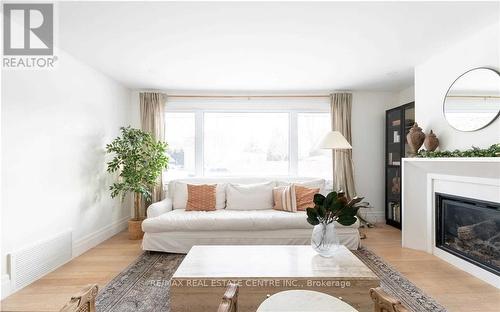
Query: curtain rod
[
  {"x": 475, "y": 96},
  {"x": 245, "y": 96}
]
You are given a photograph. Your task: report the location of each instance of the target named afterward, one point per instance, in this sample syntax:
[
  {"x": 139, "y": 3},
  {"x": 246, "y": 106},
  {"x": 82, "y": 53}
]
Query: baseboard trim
[
  {"x": 373, "y": 216},
  {"x": 6, "y": 287},
  {"x": 94, "y": 239}
]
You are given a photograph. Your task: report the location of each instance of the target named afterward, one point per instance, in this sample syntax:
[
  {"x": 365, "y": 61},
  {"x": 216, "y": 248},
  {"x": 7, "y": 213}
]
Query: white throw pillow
[
  {"x": 180, "y": 195},
  {"x": 250, "y": 196},
  {"x": 320, "y": 183}
]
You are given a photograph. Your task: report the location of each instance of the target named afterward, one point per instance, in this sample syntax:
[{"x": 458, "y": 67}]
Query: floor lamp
[{"x": 334, "y": 140}]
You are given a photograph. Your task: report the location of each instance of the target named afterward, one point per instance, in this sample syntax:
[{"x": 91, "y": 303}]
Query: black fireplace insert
[{"x": 469, "y": 229}]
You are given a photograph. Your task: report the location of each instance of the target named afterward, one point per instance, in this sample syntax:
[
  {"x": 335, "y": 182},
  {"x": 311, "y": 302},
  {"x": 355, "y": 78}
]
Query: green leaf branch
[
  {"x": 492, "y": 151},
  {"x": 334, "y": 207}
]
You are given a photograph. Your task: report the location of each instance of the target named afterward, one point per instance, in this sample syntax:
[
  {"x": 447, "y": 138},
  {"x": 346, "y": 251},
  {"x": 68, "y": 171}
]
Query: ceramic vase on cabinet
[{"x": 415, "y": 139}]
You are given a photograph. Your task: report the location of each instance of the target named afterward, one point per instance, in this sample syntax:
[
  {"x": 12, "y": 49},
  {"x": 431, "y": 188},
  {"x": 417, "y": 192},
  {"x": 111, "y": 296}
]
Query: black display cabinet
[{"x": 398, "y": 122}]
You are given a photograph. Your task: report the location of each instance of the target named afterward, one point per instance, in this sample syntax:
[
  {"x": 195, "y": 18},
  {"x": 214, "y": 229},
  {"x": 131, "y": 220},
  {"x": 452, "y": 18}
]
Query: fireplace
[{"x": 469, "y": 229}]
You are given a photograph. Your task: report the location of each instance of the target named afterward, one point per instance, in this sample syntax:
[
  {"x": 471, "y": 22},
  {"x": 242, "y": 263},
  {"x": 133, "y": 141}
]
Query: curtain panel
[
  {"x": 343, "y": 168},
  {"x": 152, "y": 106}
]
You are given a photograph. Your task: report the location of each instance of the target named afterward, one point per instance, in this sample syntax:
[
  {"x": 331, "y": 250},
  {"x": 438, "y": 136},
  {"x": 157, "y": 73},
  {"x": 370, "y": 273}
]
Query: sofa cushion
[
  {"x": 284, "y": 198},
  {"x": 304, "y": 196},
  {"x": 249, "y": 196},
  {"x": 229, "y": 220},
  {"x": 318, "y": 183},
  {"x": 201, "y": 197},
  {"x": 179, "y": 194}
]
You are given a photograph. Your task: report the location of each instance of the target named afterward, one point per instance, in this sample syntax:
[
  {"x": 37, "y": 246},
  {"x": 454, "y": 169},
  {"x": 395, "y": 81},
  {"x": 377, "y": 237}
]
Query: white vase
[{"x": 325, "y": 240}]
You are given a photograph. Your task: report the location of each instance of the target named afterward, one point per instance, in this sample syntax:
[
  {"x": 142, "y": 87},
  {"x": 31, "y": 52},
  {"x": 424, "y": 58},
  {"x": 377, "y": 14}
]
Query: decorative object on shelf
[
  {"x": 473, "y": 100},
  {"x": 492, "y": 151},
  {"x": 394, "y": 211},
  {"x": 396, "y": 188},
  {"x": 396, "y": 137},
  {"x": 335, "y": 207},
  {"x": 139, "y": 159},
  {"x": 415, "y": 139},
  {"x": 397, "y": 212},
  {"x": 431, "y": 142}
]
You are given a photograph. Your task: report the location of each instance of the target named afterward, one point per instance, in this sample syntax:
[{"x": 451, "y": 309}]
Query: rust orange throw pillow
[
  {"x": 304, "y": 197},
  {"x": 201, "y": 197}
]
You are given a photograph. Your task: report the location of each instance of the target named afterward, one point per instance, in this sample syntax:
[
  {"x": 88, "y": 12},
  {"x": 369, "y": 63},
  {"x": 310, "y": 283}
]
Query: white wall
[
  {"x": 406, "y": 95},
  {"x": 55, "y": 125},
  {"x": 434, "y": 77},
  {"x": 368, "y": 120}
]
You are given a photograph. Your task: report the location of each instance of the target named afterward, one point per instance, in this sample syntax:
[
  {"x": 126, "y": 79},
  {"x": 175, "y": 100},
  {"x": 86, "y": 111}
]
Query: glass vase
[{"x": 325, "y": 240}]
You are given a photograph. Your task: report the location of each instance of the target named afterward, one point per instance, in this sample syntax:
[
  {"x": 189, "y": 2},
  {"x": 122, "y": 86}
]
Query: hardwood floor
[
  {"x": 98, "y": 265},
  {"x": 455, "y": 289},
  {"x": 451, "y": 287}
]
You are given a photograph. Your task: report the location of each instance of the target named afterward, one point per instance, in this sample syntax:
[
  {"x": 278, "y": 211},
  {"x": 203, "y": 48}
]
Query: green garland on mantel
[{"x": 492, "y": 151}]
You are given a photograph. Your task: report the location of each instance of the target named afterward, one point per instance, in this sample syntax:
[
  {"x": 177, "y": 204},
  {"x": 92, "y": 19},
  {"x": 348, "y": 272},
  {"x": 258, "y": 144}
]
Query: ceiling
[{"x": 265, "y": 46}]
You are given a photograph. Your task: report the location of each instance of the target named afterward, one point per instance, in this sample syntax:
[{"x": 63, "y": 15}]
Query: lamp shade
[{"x": 334, "y": 140}]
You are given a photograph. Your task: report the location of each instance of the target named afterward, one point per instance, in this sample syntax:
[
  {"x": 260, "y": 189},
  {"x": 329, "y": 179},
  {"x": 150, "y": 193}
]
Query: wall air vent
[{"x": 31, "y": 263}]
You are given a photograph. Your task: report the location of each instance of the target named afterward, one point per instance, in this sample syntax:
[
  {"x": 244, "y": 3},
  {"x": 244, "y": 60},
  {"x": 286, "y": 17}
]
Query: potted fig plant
[
  {"x": 335, "y": 207},
  {"x": 139, "y": 159}
]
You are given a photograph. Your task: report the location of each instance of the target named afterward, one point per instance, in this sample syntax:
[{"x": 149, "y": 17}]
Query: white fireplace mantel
[{"x": 477, "y": 178}]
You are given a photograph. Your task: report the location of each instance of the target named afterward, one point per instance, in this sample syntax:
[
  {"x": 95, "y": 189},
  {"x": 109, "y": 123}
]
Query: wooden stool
[
  {"x": 83, "y": 302},
  {"x": 229, "y": 301},
  {"x": 384, "y": 302}
]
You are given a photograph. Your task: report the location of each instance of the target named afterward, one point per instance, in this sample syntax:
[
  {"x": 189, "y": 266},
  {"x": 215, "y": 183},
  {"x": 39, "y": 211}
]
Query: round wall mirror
[{"x": 473, "y": 100}]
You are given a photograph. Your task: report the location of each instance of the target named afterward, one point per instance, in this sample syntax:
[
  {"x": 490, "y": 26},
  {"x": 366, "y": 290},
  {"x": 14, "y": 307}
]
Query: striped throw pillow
[{"x": 284, "y": 198}]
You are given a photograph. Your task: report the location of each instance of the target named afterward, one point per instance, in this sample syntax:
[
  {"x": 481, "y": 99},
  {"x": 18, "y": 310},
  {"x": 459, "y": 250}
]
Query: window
[
  {"x": 246, "y": 143},
  {"x": 312, "y": 161},
  {"x": 229, "y": 141},
  {"x": 179, "y": 134}
]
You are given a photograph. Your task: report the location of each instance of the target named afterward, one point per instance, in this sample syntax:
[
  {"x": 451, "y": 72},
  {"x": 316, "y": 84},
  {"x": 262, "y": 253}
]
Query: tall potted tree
[{"x": 139, "y": 159}]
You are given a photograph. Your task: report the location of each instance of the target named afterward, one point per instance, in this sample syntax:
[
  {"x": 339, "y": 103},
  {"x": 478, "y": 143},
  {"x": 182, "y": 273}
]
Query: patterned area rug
[{"x": 144, "y": 285}]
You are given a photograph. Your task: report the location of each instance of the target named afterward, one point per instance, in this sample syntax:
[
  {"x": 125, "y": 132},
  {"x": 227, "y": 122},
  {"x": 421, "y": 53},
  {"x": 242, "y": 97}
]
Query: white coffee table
[
  {"x": 304, "y": 301},
  {"x": 201, "y": 279}
]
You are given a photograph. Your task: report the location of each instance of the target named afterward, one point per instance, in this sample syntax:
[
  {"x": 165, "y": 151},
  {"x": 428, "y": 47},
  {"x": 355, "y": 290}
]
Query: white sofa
[{"x": 170, "y": 228}]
